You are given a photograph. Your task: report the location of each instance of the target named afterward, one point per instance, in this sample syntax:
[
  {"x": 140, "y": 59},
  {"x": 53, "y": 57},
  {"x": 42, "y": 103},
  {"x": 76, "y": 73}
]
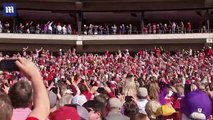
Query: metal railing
[{"x": 135, "y": 32}]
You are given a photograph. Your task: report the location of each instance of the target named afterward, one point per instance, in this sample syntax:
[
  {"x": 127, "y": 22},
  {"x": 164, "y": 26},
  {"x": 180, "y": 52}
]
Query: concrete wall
[{"x": 100, "y": 43}]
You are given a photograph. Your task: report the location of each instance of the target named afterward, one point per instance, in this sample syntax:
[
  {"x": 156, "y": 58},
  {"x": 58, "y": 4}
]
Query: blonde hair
[
  {"x": 193, "y": 87},
  {"x": 180, "y": 89},
  {"x": 151, "y": 109},
  {"x": 154, "y": 91},
  {"x": 66, "y": 99},
  {"x": 129, "y": 87}
]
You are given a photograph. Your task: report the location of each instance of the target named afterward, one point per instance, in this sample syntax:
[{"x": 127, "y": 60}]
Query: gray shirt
[{"x": 116, "y": 116}]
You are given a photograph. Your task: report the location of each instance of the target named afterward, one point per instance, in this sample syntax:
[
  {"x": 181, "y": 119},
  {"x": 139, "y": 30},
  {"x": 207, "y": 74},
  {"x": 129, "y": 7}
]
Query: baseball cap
[
  {"x": 142, "y": 92},
  {"x": 165, "y": 110},
  {"x": 115, "y": 103},
  {"x": 52, "y": 98},
  {"x": 196, "y": 105},
  {"x": 65, "y": 113},
  {"x": 79, "y": 100},
  {"x": 82, "y": 112}
]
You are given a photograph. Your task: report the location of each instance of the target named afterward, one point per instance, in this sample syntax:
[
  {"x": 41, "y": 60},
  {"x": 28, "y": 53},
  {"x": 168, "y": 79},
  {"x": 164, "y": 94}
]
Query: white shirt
[
  {"x": 59, "y": 27},
  {"x": 142, "y": 104}
]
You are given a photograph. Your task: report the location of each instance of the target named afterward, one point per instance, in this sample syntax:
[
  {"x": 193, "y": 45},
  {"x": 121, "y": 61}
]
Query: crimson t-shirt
[{"x": 32, "y": 118}]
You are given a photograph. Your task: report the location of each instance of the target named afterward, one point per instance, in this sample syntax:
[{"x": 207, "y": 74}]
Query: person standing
[
  {"x": 64, "y": 30},
  {"x": 38, "y": 29},
  {"x": 182, "y": 27},
  {"x": 59, "y": 28},
  {"x": 189, "y": 27},
  {"x": 115, "y": 110},
  {"x": 114, "y": 29},
  {"x": 154, "y": 28},
  {"x": 122, "y": 29},
  {"x": 27, "y": 28},
  {"x": 149, "y": 28},
  {"x": 20, "y": 28},
  {"x": 90, "y": 31},
  {"x": 69, "y": 29},
  {"x": 173, "y": 27},
  {"x": 142, "y": 99},
  {"x": 21, "y": 97},
  {"x": 7, "y": 27},
  {"x": 130, "y": 29}
]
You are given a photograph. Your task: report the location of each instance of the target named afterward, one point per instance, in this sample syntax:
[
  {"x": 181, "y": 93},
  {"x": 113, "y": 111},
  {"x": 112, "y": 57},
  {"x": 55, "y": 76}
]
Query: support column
[
  {"x": 14, "y": 25},
  {"x": 142, "y": 22},
  {"x": 209, "y": 42},
  {"x": 79, "y": 44},
  {"x": 207, "y": 21},
  {"x": 79, "y": 22}
]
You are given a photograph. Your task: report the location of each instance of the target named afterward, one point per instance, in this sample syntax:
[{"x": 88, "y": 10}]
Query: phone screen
[
  {"x": 116, "y": 92},
  {"x": 187, "y": 88},
  {"x": 100, "y": 90},
  {"x": 128, "y": 98},
  {"x": 8, "y": 65}
]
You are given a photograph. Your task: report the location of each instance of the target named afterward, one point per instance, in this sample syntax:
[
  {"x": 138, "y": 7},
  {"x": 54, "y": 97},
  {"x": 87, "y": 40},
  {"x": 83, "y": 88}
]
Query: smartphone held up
[{"x": 8, "y": 65}]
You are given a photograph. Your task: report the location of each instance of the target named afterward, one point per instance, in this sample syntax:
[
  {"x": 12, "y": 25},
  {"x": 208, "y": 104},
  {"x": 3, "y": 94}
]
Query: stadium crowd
[
  {"x": 148, "y": 85},
  {"x": 52, "y": 27}
]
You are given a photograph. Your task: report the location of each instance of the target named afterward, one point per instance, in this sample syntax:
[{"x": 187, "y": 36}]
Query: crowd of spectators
[
  {"x": 107, "y": 29},
  {"x": 148, "y": 85},
  {"x": 52, "y": 27},
  {"x": 171, "y": 27},
  {"x": 160, "y": 28},
  {"x": 48, "y": 28}
]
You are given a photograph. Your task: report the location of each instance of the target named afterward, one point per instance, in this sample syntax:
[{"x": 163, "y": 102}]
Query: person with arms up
[{"x": 40, "y": 98}]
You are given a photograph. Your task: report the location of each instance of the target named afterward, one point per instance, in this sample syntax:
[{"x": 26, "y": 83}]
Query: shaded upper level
[{"x": 110, "y": 5}]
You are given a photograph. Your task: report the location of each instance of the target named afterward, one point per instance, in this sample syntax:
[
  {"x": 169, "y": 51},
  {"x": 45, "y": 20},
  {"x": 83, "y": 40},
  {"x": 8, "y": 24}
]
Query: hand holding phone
[
  {"x": 128, "y": 98},
  {"x": 8, "y": 65},
  {"x": 100, "y": 90}
]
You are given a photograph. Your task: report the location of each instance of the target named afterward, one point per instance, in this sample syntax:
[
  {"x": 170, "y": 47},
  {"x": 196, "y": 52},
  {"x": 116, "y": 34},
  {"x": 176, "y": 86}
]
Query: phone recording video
[
  {"x": 8, "y": 65},
  {"x": 100, "y": 90},
  {"x": 128, "y": 98},
  {"x": 116, "y": 92},
  {"x": 187, "y": 88}
]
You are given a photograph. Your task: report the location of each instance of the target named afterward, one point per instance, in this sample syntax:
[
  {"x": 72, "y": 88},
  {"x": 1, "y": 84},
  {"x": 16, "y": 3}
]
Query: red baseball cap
[{"x": 65, "y": 113}]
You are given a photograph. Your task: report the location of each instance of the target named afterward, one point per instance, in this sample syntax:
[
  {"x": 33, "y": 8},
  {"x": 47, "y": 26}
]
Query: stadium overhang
[{"x": 111, "y": 5}]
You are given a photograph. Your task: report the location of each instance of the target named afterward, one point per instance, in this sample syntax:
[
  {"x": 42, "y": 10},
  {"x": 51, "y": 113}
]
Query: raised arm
[{"x": 40, "y": 98}]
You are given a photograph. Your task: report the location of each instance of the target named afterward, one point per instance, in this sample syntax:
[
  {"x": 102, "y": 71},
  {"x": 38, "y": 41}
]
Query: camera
[{"x": 8, "y": 65}]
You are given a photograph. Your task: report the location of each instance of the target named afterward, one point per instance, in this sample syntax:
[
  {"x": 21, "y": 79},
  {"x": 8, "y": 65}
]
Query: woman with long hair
[
  {"x": 129, "y": 87},
  {"x": 154, "y": 90}
]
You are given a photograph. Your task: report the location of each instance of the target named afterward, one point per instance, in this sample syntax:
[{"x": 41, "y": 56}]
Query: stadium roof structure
[{"x": 111, "y": 5}]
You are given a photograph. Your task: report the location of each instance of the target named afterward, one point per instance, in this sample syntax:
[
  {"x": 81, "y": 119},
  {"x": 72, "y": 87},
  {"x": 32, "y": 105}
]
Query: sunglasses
[{"x": 89, "y": 109}]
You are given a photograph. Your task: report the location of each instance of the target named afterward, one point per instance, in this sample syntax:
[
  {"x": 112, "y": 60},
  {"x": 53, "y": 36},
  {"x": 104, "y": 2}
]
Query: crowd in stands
[
  {"x": 171, "y": 27},
  {"x": 52, "y": 27},
  {"x": 107, "y": 29},
  {"x": 148, "y": 85},
  {"x": 159, "y": 28}
]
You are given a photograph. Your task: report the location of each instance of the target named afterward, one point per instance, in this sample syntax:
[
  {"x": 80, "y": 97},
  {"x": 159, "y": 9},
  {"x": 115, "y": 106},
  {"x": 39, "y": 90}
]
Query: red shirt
[
  {"x": 210, "y": 52},
  {"x": 88, "y": 95},
  {"x": 32, "y": 118}
]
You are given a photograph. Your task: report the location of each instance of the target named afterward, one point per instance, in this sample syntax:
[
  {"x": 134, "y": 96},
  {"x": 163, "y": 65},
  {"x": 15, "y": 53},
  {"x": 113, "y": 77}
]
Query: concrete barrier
[{"x": 99, "y": 43}]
